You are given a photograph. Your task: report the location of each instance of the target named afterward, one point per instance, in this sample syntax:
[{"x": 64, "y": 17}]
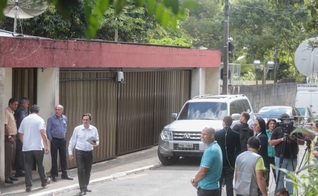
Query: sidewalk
[{"x": 104, "y": 171}]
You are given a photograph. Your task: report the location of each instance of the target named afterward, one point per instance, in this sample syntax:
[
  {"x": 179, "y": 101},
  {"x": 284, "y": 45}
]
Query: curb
[{"x": 99, "y": 180}]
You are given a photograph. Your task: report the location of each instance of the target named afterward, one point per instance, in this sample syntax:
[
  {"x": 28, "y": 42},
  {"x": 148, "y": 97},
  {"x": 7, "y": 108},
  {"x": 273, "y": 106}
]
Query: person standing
[
  {"x": 10, "y": 128},
  {"x": 207, "y": 178},
  {"x": 56, "y": 132},
  {"x": 260, "y": 132},
  {"x": 229, "y": 142},
  {"x": 249, "y": 168},
  {"x": 286, "y": 151},
  {"x": 244, "y": 130},
  {"x": 271, "y": 125},
  {"x": 35, "y": 145},
  {"x": 19, "y": 115},
  {"x": 84, "y": 138}
]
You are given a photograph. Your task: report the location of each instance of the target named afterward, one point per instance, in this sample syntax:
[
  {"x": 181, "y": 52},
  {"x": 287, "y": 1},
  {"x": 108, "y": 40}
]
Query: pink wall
[{"x": 34, "y": 52}]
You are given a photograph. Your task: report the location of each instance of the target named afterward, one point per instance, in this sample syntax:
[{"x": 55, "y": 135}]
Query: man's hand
[
  {"x": 94, "y": 143},
  {"x": 11, "y": 140},
  {"x": 70, "y": 157},
  {"x": 193, "y": 182},
  {"x": 47, "y": 150}
]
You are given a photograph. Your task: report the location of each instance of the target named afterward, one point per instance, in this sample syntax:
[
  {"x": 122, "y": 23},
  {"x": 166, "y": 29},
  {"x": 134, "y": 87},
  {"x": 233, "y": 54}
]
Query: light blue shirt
[
  {"x": 212, "y": 159},
  {"x": 56, "y": 127}
]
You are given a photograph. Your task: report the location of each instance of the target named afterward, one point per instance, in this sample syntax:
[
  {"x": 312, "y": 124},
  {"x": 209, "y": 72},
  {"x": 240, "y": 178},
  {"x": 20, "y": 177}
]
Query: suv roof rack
[{"x": 207, "y": 96}]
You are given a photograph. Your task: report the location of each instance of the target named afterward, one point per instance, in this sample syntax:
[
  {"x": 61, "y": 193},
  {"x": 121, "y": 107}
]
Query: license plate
[{"x": 185, "y": 145}]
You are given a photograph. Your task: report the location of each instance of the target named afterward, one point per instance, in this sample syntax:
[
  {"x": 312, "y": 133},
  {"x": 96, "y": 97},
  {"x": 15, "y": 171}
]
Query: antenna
[
  {"x": 24, "y": 9},
  {"x": 306, "y": 59}
]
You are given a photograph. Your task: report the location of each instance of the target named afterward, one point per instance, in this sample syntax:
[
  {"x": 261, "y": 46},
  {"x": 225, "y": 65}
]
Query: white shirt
[
  {"x": 80, "y": 136},
  {"x": 30, "y": 127}
]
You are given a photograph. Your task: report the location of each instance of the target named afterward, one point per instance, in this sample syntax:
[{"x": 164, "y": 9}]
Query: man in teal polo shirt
[{"x": 207, "y": 179}]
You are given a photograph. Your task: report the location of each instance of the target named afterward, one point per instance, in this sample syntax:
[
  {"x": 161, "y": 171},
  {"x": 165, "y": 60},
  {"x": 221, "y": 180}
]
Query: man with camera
[{"x": 286, "y": 150}]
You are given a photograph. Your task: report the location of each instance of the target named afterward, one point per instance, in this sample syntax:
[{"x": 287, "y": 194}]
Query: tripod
[
  {"x": 281, "y": 159},
  {"x": 308, "y": 149}
]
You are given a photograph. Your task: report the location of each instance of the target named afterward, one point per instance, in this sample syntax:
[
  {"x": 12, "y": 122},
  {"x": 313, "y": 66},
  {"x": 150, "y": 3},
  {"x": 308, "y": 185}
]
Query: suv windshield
[{"x": 204, "y": 110}]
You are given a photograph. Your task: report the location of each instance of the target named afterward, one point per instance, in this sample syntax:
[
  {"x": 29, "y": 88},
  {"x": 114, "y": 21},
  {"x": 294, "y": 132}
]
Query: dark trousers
[
  {"x": 227, "y": 176},
  {"x": 30, "y": 156},
  {"x": 19, "y": 159},
  {"x": 84, "y": 160},
  {"x": 202, "y": 192},
  {"x": 9, "y": 157},
  {"x": 58, "y": 146}
]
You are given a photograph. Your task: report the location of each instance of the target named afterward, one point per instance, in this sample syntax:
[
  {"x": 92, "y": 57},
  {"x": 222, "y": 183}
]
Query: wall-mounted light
[{"x": 120, "y": 77}]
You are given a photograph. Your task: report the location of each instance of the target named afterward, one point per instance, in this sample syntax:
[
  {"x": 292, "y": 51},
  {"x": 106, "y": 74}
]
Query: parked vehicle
[
  {"x": 183, "y": 136},
  {"x": 275, "y": 112},
  {"x": 307, "y": 114},
  {"x": 307, "y": 96}
]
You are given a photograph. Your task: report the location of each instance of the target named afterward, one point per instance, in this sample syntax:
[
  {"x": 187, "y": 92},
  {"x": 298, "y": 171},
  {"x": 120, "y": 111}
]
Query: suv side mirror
[
  {"x": 174, "y": 116},
  {"x": 235, "y": 116}
]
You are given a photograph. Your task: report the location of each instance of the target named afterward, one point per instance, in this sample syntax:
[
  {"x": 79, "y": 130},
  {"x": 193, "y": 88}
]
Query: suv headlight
[{"x": 166, "y": 135}]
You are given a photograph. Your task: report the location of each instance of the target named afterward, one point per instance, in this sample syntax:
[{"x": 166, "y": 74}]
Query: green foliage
[
  {"x": 205, "y": 24},
  {"x": 171, "y": 41},
  {"x": 166, "y": 12}
]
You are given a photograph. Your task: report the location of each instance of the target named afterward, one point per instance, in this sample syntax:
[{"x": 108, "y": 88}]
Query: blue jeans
[
  {"x": 288, "y": 164},
  {"x": 227, "y": 176}
]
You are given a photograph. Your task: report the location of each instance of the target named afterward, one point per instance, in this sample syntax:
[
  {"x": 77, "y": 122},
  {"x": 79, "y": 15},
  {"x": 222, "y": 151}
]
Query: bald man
[{"x": 56, "y": 132}]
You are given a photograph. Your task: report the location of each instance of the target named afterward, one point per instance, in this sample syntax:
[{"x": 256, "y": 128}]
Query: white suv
[{"x": 183, "y": 136}]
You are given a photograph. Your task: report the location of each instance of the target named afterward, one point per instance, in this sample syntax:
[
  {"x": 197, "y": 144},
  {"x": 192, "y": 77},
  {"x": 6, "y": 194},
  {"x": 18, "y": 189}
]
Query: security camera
[{"x": 120, "y": 77}]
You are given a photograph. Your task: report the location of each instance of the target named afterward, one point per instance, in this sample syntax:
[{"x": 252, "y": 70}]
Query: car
[
  {"x": 182, "y": 138},
  {"x": 274, "y": 112},
  {"x": 307, "y": 114}
]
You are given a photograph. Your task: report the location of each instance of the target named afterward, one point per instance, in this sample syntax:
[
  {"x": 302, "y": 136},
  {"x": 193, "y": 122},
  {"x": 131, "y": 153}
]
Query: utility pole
[{"x": 226, "y": 48}]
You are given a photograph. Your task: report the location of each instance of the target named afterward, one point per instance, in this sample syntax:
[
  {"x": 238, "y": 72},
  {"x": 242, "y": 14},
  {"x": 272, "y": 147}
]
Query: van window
[
  {"x": 236, "y": 107},
  {"x": 246, "y": 106}
]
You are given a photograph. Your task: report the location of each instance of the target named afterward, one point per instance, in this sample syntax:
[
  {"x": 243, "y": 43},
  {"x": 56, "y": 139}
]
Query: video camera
[{"x": 287, "y": 124}]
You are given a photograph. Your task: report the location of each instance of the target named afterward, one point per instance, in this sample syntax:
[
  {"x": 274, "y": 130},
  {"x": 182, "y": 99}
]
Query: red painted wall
[{"x": 35, "y": 52}]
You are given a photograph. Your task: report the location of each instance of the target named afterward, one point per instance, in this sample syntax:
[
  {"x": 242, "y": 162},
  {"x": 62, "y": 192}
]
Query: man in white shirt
[
  {"x": 85, "y": 137},
  {"x": 35, "y": 143}
]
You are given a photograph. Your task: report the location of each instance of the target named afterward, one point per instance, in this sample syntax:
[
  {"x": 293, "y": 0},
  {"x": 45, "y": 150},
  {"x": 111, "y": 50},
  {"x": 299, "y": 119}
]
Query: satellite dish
[
  {"x": 306, "y": 58},
  {"x": 24, "y": 9}
]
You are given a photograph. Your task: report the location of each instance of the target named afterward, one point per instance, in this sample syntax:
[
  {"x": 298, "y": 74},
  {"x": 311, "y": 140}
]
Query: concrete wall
[
  {"x": 270, "y": 94},
  {"x": 48, "y": 97},
  {"x": 2, "y": 105},
  {"x": 203, "y": 81}
]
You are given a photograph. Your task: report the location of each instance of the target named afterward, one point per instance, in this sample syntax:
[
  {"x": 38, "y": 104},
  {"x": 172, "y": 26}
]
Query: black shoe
[
  {"x": 67, "y": 177},
  {"x": 48, "y": 180},
  {"x": 13, "y": 179},
  {"x": 82, "y": 193},
  {"x": 54, "y": 178},
  {"x": 87, "y": 190},
  {"x": 8, "y": 181},
  {"x": 28, "y": 190},
  {"x": 19, "y": 174}
]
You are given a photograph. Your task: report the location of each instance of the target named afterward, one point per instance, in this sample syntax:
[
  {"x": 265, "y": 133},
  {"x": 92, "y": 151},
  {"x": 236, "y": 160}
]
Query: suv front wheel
[{"x": 167, "y": 160}]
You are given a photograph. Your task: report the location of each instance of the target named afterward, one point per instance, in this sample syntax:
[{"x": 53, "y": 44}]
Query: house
[{"x": 130, "y": 89}]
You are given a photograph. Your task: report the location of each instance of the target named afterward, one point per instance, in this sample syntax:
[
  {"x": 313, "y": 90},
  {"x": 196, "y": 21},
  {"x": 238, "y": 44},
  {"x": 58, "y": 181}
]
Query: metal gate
[{"x": 129, "y": 116}]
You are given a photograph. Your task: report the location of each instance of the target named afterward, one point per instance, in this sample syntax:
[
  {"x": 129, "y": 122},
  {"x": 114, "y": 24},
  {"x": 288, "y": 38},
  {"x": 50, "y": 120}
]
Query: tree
[
  {"x": 165, "y": 11},
  {"x": 205, "y": 24}
]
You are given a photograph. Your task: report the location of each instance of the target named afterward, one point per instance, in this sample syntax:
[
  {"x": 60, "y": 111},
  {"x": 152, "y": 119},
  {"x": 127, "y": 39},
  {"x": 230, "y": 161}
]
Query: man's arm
[
  {"x": 45, "y": 140},
  {"x": 48, "y": 128},
  {"x": 21, "y": 136},
  {"x": 199, "y": 176},
  {"x": 261, "y": 182}
]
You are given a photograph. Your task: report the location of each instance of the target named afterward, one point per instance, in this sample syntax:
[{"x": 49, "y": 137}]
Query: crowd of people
[
  {"x": 28, "y": 138},
  {"x": 247, "y": 155}
]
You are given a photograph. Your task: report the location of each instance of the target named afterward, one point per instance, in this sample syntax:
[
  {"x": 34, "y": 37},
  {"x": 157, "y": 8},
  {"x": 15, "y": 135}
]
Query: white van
[{"x": 307, "y": 96}]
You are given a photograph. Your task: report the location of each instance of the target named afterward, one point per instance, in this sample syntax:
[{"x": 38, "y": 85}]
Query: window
[{"x": 236, "y": 107}]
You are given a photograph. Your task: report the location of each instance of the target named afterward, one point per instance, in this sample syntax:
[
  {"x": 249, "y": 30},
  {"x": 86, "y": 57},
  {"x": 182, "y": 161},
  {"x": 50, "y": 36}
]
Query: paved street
[{"x": 138, "y": 173}]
